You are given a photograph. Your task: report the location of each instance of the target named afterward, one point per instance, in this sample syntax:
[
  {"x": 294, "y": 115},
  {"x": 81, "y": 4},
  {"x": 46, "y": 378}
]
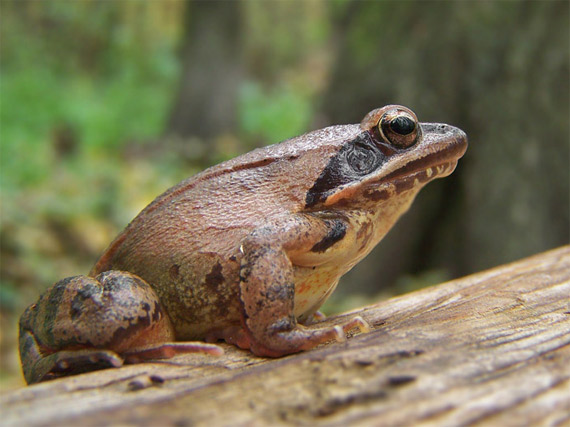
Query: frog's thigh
[
  {"x": 83, "y": 323},
  {"x": 267, "y": 289}
]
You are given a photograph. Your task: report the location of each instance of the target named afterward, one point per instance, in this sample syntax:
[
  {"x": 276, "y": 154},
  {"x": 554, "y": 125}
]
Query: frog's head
[{"x": 388, "y": 161}]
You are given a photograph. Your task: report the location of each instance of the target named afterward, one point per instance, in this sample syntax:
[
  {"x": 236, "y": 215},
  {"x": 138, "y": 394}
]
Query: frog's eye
[{"x": 399, "y": 128}]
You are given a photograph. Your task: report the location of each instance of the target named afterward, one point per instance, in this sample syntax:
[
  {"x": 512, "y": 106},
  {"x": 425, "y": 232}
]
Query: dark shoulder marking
[{"x": 337, "y": 231}]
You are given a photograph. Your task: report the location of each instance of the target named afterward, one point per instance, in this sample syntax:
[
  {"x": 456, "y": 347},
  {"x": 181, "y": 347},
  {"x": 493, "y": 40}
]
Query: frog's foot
[
  {"x": 170, "y": 349},
  {"x": 286, "y": 336},
  {"x": 299, "y": 337},
  {"x": 338, "y": 332},
  {"x": 71, "y": 362}
]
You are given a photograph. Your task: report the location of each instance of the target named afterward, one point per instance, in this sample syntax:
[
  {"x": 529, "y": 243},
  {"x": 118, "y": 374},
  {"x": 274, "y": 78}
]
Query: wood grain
[{"x": 492, "y": 348}]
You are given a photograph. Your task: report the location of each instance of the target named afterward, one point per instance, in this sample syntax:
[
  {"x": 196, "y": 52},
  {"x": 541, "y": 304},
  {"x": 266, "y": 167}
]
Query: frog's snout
[
  {"x": 456, "y": 133},
  {"x": 460, "y": 137},
  {"x": 451, "y": 139},
  {"x": 443, "y": 129}
]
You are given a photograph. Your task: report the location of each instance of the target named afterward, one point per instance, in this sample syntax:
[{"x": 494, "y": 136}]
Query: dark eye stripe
[{"x": 339, "y": 172}]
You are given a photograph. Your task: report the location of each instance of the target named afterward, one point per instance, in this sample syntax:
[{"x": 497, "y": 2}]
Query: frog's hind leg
[{"x": 88, "y": 323}]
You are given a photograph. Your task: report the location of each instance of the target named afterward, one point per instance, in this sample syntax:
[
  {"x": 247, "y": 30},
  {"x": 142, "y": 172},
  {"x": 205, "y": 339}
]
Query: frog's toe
[
  {"x": 357, "y": 322},
  {"x": 316, "y": 317},
  {"x": 340, "y": 334}
]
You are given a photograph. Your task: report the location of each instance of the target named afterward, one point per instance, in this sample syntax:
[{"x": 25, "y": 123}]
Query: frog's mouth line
[
  {"x": 435, "y": 165},
  {"x": 422, "y": 176},
  {"x": 419, "y": 168},
  {"x": 402, "y": 182}
]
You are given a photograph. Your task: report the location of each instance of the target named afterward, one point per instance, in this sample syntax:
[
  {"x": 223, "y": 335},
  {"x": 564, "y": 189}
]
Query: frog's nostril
[{"x": 441, "y": 127}]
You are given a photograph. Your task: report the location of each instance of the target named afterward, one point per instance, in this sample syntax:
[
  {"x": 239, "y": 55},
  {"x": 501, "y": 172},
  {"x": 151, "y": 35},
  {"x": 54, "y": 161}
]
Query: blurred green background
[{"x": 105, "y": 104}]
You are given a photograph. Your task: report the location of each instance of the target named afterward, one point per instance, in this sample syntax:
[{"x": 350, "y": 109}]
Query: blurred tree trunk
[
  {"x": 211, "y": 70},
  {"x": 494, "y": 70}
]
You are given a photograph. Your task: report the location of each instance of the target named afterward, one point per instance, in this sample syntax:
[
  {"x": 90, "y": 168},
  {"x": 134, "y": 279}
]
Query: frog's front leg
[
  {"x": 267, "y": 288},
  {"x": 84, "y": 323}
]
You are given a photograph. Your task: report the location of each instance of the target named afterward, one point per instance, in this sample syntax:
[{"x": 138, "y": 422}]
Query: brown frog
[{"x": 246, "y": 251}]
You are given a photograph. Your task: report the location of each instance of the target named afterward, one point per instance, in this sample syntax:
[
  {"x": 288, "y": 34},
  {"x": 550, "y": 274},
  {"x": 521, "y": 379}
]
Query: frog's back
[
  {"x": 213, "y": 210},
  {"x": 263, "y": 165}
]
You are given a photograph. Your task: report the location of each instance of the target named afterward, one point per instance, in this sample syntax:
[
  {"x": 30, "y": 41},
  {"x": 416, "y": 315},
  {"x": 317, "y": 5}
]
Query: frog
[{"x": 245, "y": 252}]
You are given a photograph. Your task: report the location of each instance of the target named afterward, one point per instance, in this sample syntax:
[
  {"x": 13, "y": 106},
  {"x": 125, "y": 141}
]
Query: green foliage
[
  {"x": 275, "y": 114},
  {"x": 99, "y": 84}
]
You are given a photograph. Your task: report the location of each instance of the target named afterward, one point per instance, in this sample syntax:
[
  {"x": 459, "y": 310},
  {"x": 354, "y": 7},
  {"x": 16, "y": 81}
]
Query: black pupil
[{"x": 403, "y": 125}]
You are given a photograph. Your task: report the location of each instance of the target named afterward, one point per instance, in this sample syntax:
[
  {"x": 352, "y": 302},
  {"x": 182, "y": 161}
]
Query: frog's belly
[{"x": 312, "y": 288}]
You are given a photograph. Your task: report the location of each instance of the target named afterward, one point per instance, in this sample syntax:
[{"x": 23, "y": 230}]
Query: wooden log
[{"x": 492, "y": 348}]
